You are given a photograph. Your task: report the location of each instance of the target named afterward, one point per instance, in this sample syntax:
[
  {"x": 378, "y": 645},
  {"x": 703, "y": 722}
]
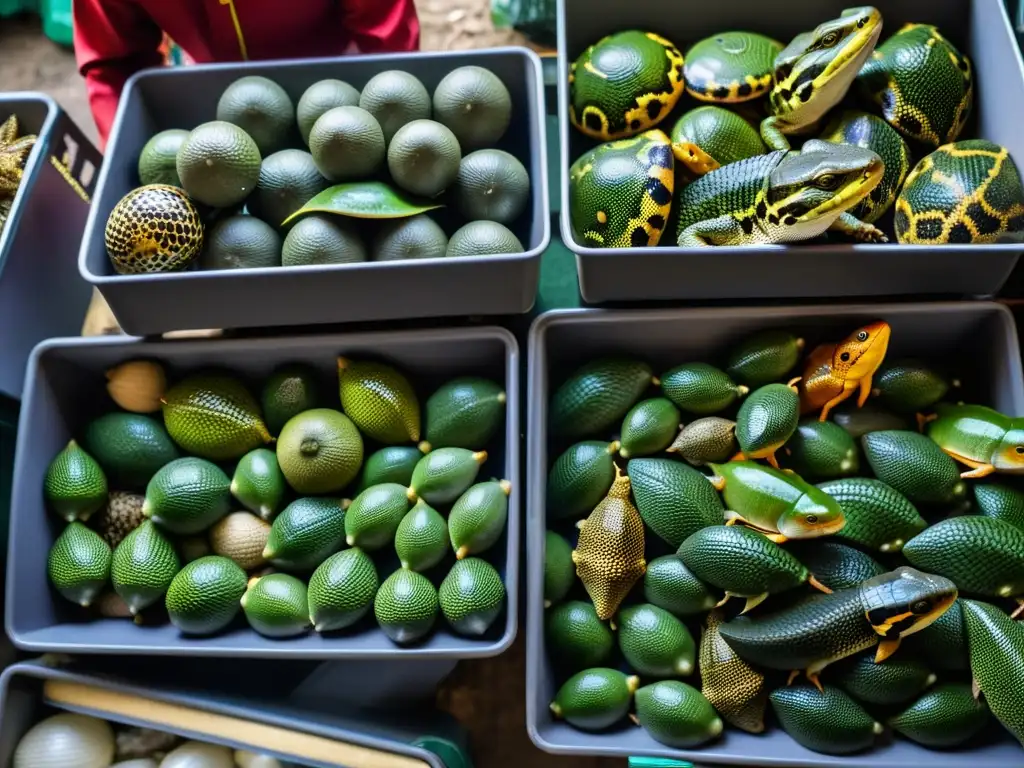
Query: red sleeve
[
  {"x": 114, "y": 39},
  {"x": 382, "y": 26}
]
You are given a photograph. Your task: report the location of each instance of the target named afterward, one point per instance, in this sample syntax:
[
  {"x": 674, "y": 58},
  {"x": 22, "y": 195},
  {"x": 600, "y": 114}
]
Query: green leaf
[{"x": 364, "y": 200}]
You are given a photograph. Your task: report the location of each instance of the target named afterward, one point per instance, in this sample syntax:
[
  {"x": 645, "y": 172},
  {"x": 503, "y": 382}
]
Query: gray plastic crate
[
  {"x": 41, "y": 293},
  {"x": 65, "y": 389},
  {"x": 979, "y": 28},
  {"x": 32, "y": 691},
  {"x": 473, "y": 285},
  {"x": 979, "y": 338}
]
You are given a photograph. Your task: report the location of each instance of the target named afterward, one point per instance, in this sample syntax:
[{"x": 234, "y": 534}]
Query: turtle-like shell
[
  {"x": 731, "y": 67},
  {"x": 154, "y": 228}
]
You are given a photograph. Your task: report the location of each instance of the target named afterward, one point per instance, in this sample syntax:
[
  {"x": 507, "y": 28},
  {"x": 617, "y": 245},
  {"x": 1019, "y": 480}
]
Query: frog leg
[
  {"x": 834, "y": 402},
  {"x": 848, "y": 224},
  {"x": 886, "y": 648},
  {"x": 718, "y": 482},
  {"x": 734, "y": 518},
  {"x": 923, "y": 419},
  {"x": 707, "y": 233},
  {"x": 865, "y": 390},
  {"x": 818, "y": 585},
  {"x": 767, "y": 454},
  {"x": 978, "y": 468},
  {"x": 772, "y": 134},
  {"x": 731, "y": 518}
]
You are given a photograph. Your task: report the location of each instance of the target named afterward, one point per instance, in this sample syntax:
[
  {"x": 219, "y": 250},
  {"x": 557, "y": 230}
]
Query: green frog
[
  {"x": 780, "y": 197},
  {"x": 814, "y": 72}
]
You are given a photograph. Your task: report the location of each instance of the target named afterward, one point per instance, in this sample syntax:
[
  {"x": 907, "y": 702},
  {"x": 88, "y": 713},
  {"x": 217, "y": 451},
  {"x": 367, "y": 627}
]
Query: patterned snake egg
[{"x": 154, "y": 228}]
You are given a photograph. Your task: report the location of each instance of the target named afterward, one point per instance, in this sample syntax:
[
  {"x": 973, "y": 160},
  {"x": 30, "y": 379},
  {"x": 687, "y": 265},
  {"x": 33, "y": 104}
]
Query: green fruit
[
  {"x": 836, "y": 565},
  {"x": 157, "y": 161},
  {"x": 896, "y": 680},
  {"x": 822, "y": 450},
  {"x": 829, "y": 721},
  {"x": 261, "y": 108},
  {"x": 596, "y": 397},
  {"x": 764, "y": 357},
  {"x": 670, "y": 585},
  {"x": 203, "y": 597},
  {"x": 477, "y": 519},
  {"x": 289, "y": 391},
  {"x": 944, "y": 717},
  {"x": 711, "y": 439},
  {"x": 75, "y": 486},
  {"x": 219, "y": 164},
  {"x": 943, "y": 643},
  {"x": 443, "y": 475},
  {"x": 130, "y": 448},
  {"x": 380, "y": 400},
  {"x": 595, "y": 698},
  {"x": 393, "y": 464},
  {"x": 877, "y": 516},
  {"x": 277, "y": 606},
  {"x": 492, "y": 185},
  {"x": 341, "y": 590},
  {"x": 214, "y": 417},
  {"x": 483, "y": 238},
  {"x": 559, "y": 569},
  {"x": 654, "y": 642},
  {"x": 240, "y": 242},
  {"x": 996, "y": 643},
  {"x": 649, "y": 427},
  {"x": 464, "y": 413},
  {"x": 1000, "y": 502},
  {"x": 474, "y": 104},
  {"x": 288, "y": 180},
  {"x": 347, "y": 144},
  {"x": 767, "y": 419},
  {"x": 259, "y": 484},
  {"x": 701, "y": 388},
  {"x": 79, "y": 564},
  {"x": 406, "y": 606},
  {"x": 676, "y": 714},
  {"x": 981, "y": 555},
  {"x": 673, "y": 499},
  {"x": 580, "y": 478},
  {"x": 576, "y": 637},
  {"x": 143, "y": 566},
  {"x": 187, "y": 496},
  {"x": 374, "y": 516},
  {"x": 320, "y": 97},
  {"x": 423, "y": 158},
  {"x": 305, "y": 533},
  {"x": 909, "y": 387},
  {"x": 472, "y": 595},
  {"x": 322, "y": 240},
  {"x": 395, "y": 98},
  {"x": 914, "y": 465},
  {"x": 871, "y": 418},
  {"x": 415, "y": 237},
  {"x": 421, "y": 539},
  {"x": 320, "y": 451}
]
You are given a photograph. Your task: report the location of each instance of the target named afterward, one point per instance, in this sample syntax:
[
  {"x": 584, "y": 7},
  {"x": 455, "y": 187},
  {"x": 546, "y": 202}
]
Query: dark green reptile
[
  {"x": 781, "y": 197},
  {"x": 813, "y": 633}
]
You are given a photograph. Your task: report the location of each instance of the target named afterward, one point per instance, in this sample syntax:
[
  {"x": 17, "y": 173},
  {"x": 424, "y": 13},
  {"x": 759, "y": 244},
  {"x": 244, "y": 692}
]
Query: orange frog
[{"x": 835, "y": 371}]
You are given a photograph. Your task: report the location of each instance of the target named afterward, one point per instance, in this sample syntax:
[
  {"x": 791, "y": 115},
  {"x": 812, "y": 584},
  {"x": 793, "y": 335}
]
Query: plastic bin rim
[{"x": 160, "y": 72}]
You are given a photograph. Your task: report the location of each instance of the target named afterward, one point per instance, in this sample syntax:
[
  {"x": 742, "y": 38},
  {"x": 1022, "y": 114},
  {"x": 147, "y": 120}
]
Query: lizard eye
[
  {"x": 845, "y": 357},
  {"x": 811, "y": 519},
  {"x": 921, "y": 607},
  {"x": 830, "y": 39},
  {"x": 862, "y": 336},
  {"x": 827, "y": 181},
  {"x": 1020, "y": 449}
]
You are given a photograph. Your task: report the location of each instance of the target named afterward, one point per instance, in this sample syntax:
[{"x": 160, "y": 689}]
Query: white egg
[
  {"x": 252, "y": 760},
  {"x": 195, "y": 754},
  {"x": 66, "y": 741}
]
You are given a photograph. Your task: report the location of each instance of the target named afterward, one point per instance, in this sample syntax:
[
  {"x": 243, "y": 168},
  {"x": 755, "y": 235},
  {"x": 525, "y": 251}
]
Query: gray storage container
[
  {"x": 41, "y": 293},
  {"x": 32, "y": 691},
  {"x": 64, "y": 390},
  {"x": 474, "y": 285},
  {"x": 979, "y": 28},
  {"x": 980, "y": 337}
]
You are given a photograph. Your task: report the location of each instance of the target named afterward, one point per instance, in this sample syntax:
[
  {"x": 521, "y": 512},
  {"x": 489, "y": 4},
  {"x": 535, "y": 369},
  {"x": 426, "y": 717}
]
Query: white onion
[
  {"x": 195, "y": 754},
  {"x": 252, "y": 760},
  {"x": 142, "y": 762},
  {"x": 66, "y": 741}
]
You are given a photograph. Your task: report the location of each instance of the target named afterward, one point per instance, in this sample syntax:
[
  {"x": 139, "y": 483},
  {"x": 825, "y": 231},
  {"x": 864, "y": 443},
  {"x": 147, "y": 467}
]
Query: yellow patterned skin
[
  {"x": 609, "y": 556},
  {"x": 734, "y": 688},
  {"x": 14, "y": 154},
  {"x": 155, "y": 228},
  {"x": 620, "y": 193},
  {"x": 833, "y": 372},
  {"x": 965, "y": 192}
]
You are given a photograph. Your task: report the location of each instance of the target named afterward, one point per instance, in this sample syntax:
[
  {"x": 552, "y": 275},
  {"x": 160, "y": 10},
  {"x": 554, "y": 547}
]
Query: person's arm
[
  {"x": 114, "y": 39},
  {"x": 382, "y": 26}
]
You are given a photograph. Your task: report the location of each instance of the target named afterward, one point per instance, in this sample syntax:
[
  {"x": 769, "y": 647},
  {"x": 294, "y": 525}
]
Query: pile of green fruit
[
  {"x": 344, "y": 176},
  {"x": 877, "y": 528},
  {"x": 195, "y": 512},
  {"x": 727, "y": 173},
  {"x": 14, "y": 152}
]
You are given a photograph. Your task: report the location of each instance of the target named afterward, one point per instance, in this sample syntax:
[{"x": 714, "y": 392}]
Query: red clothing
[{"x": 114, "y": 39}]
